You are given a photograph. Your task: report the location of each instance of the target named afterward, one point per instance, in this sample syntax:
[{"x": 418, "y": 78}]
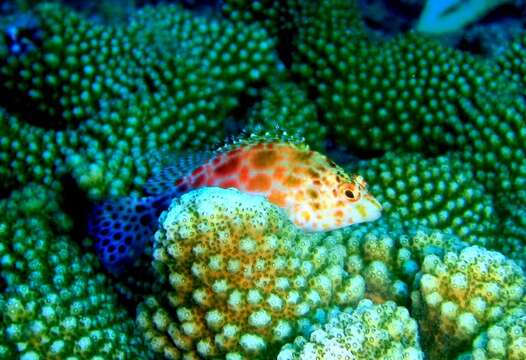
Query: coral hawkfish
[{"x": 315, "y": 193}]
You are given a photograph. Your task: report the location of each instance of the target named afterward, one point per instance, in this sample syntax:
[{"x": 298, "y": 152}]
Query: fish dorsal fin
[
  {"x": 181, "y": 164},
  {"x": 256, "y": 135}
]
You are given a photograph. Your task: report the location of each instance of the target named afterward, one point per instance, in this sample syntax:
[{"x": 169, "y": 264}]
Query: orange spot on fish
[
  {"x": 313, "y": 173},
  {"x": 279, "y": 172},
  {"x": 361, "y": 210},
  {"x": 292, "y": 181},
  {"x": 306, "y": 215},
  {"x": 259, "y": 182},
  {"x": 338, "y": 214},
  {"x": 312, "y": 193},
  {"x": 264, "y": 159},
  {"x": 278, "y": 198},
  {"x": 300, "y": 196},
  {"x": 303, "y": 155},
  {"x": 243, "y": 175}
]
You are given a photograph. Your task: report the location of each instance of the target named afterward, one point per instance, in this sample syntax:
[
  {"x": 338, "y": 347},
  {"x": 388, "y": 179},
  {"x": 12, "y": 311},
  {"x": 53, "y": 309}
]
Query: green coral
[
  {"x": 439, "y": 193},
  {"x": 54, "y": 304},
  {"x": 286, "y": 106},
  {"x": 29, "y": 153},
  {"x": 268, "y": 12},
  {"x": 511, "y": 59},
  {"x": 458, "y": 296},
  {"x": 506, "y": 339},
  {"x": 108, "y": 96},
  {"x": 368, "y": 332},
  {"x": 411, "y": 94},
  {"x": 511, "y": 241},
  {"x": 99, "y": 101}
]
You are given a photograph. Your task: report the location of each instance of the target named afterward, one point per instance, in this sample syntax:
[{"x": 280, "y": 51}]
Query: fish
[{"x": 314, "y": 192}]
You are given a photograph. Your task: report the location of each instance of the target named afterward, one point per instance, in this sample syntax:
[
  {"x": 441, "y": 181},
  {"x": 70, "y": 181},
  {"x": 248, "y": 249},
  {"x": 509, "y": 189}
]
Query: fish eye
[{"x": 351, "y": 194}]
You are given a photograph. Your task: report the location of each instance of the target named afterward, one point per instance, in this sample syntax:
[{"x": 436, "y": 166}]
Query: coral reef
[
  {"x": 54, "y": 303},
  {"x": 253, "y": 280},
  {"x": 506, "y": 339},
  {"x": 412, "y": 94},
  {"x": 286, "y": 106},
  {"x": 369, "y": 332},
  {"x": 106, "y": 96},
  {"x": 440, "y": 193},
  {"x": 99, "y": 104},
  {"x": 461, "y": 294}
]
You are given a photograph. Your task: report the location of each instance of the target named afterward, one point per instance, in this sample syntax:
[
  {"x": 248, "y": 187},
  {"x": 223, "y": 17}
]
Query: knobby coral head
[{"x": 240, "y": 278}]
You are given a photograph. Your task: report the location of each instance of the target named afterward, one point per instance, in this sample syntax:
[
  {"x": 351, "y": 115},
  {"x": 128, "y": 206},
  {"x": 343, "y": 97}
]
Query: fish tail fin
[{"x": 122, "y": 230}]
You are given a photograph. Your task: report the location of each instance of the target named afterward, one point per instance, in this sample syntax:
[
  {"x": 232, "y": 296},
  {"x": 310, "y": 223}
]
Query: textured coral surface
[{"x": 95, "y": 100}]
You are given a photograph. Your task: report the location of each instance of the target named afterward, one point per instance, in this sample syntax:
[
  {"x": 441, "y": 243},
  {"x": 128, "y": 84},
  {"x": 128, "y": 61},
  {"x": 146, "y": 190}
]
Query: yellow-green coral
[
  {"x": 459, "y": 295},
  {"x": 505, "y": 339},
  {"x": 240, "y": 278},
  {"x": 96, "y": 100},
  {"x": 511, "y": 59},
  {"x": 370, "y": 331},
  {"x": 55, "y": 304}
]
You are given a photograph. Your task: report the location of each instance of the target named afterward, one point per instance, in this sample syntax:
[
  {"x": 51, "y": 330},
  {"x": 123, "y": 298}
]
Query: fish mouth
[{"x": 374, "y": 202}]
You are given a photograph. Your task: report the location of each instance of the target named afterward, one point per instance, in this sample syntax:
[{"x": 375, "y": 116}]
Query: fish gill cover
[{"x": 94, "y": 97}]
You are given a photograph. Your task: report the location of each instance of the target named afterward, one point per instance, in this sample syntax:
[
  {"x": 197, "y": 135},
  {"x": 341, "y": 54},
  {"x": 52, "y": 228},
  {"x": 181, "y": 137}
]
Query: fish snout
[{"x": 373, "y": 206}]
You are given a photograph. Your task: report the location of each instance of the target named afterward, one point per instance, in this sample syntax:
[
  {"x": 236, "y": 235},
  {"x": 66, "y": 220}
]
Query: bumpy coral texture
[
  {"x": 369, "y": 332},
  {"x": 285, "y": 106},
  {"x": 102, "y": 104},
  {"x": 54, "y": 304},
  {"x": 255, "y": 282},
  {"x": 411, "y": 93},
  {"x": 106, "y": 98},
  {"x": 506, "y": 339},
  {"x": 240, "y": 279},
  {"x": 458, "y": 296},
  {"x": 440, "y": 193}
]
